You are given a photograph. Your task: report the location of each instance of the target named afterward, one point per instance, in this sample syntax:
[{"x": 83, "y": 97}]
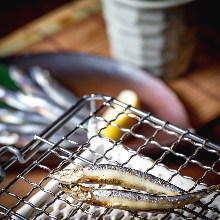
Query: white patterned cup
[{"x": 158, "y": 36}]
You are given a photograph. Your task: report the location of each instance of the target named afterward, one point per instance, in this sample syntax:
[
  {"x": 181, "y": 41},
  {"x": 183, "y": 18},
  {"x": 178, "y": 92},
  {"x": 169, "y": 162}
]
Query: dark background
[{"x": 16, "y": 13}]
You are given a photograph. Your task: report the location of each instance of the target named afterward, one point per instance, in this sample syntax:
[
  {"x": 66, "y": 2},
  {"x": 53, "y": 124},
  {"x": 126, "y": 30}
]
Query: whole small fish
[
  {"x": 23, "y": 81},
  {"x": 163, "y": 196},
  {"x": 133, "y": 201},
  {"x": 58, "y": 93},
  {"x": 117, "y": 175},
  {"x": 53, "y": 88}
]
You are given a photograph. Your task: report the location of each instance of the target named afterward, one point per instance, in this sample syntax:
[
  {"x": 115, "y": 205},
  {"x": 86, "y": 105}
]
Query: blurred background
[
  {"x": 86, "y": 32},
  {"x": 15, "y": 14}
]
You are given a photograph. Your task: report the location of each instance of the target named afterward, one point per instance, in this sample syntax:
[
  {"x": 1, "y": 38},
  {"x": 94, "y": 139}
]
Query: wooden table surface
[{"x": 198, "y": 89}]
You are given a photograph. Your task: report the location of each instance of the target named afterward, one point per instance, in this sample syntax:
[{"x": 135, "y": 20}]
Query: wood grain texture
[
  {"x": 200, "y": 92},
  {"x": 48, "y": 25}
]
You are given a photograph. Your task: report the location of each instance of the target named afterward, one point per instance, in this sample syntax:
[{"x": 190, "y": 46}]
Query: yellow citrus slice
[{"x": 119, "y": 115}]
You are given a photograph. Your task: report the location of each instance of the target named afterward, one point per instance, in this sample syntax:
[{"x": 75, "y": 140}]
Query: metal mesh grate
[{"x": 150, "y": 145}]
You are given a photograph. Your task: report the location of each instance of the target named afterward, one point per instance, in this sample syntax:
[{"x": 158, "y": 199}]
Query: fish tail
[{"x": 213, "y": 188}]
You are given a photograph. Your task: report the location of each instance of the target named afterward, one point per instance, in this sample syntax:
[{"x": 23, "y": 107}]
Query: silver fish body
[
  {"x": 12, "y": 99},
  {"x": 28, "y": 128},
  {"x": 133, "y": 201},
  {"x": 20, "y": 117},
  {"x": 50, "y": 86},
  {"x": 58, "y": 93},
  {"x": 24, "y": 82},
  {"x": 117, "y": 175}
]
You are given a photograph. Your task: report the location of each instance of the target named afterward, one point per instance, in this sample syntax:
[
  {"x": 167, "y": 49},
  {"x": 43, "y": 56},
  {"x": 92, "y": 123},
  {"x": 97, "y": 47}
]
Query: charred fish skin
[
  {"x": 119, "y": 176},
  {"x": 133, "y": 201}
]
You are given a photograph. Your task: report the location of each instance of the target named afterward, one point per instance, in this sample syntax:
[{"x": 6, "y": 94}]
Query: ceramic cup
[{"x": 158, "y": 36}]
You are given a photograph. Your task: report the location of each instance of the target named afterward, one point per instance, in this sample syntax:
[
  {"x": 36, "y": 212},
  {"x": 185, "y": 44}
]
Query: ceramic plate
[{"x": 87, "y": 74}]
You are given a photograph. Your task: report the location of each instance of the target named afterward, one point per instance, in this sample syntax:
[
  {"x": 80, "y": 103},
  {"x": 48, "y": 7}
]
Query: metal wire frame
[{"x": 67, "y": 156}]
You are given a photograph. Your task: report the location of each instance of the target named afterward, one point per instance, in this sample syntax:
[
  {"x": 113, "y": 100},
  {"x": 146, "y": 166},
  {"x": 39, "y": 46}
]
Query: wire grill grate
[{"x": 174, "y": 161}]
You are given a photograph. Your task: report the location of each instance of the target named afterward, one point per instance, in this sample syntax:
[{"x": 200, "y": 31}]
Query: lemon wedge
[{"x": 119, "y": 115}]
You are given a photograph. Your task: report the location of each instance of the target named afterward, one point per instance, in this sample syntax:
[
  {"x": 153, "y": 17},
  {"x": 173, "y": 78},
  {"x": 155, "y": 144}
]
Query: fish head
[{"x": 67, "y": 176}]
